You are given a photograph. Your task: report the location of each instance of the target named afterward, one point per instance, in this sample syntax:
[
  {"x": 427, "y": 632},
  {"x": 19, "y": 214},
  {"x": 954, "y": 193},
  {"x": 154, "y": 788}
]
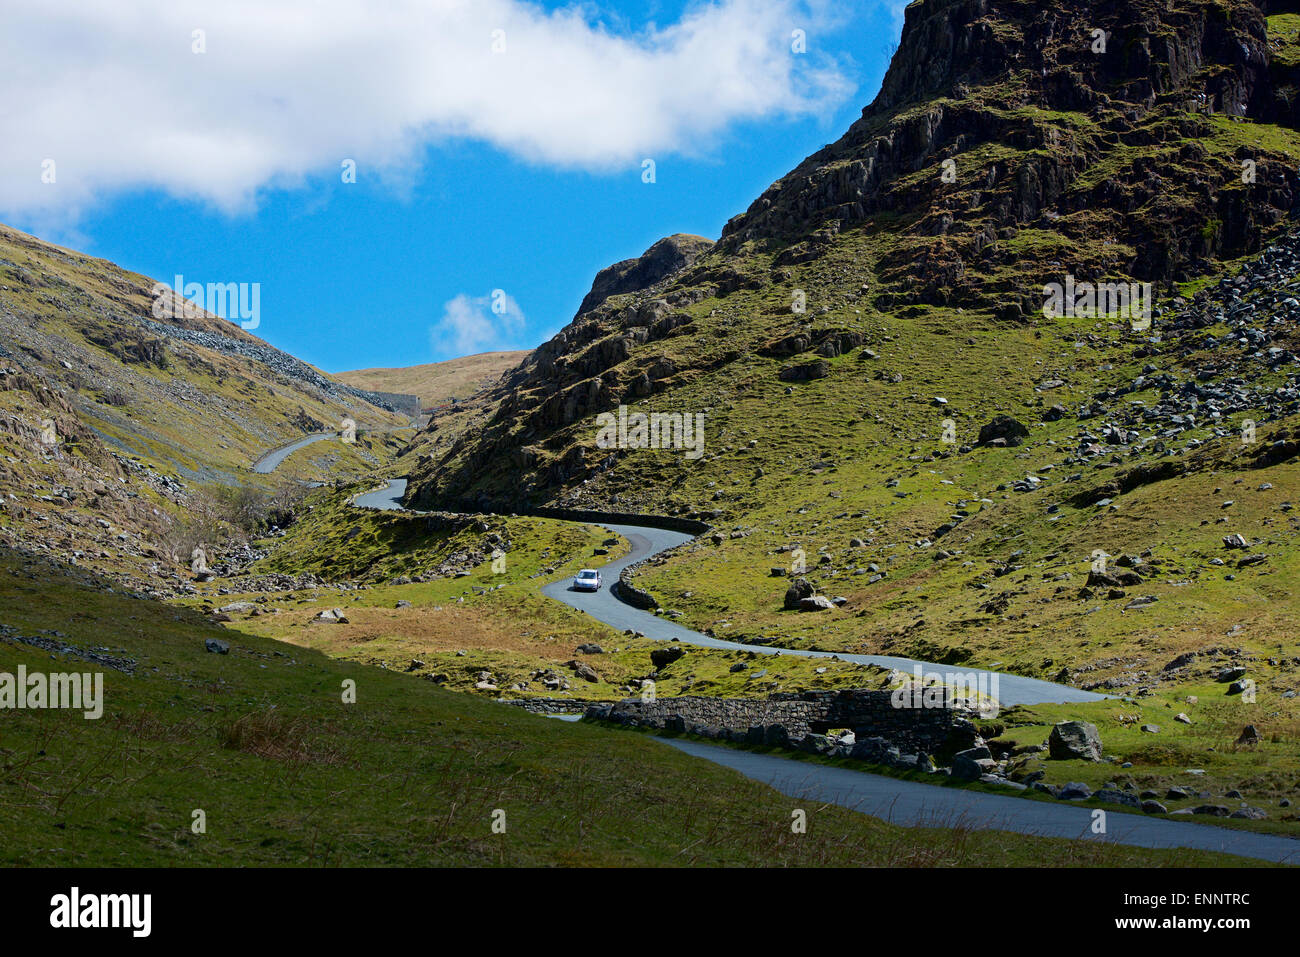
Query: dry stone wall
[{"x": 801, "y": 719}]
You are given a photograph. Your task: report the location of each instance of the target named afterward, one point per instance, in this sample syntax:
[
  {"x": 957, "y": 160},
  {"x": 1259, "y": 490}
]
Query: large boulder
[
  {"x": 871, "y": 749},
  {"x": 970, "y": 764},
  {"x": 1074, "y": 791},
  {"x": 583, "y": 670},
  {"x": 815, "y": 603},
  {"x": 799, "y": 589},
  {"x": 816, "y": 744},
  {"x": 663, "y": 657},
  {"x": 1003, "y": 430},
  {"x": 776, "y": 735},
  {"x": 805, "y": 372},
  {"x": 1074, "y": 740}
]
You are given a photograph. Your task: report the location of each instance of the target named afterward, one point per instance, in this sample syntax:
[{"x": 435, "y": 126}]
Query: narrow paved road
[
  {"x": 908, "y": 803},
  {"x": 913, "y": 804},
  {"x": 602, "y": 605},
  {"x": 272, "y": 459},
  {"x": 1011, "y": 689}
]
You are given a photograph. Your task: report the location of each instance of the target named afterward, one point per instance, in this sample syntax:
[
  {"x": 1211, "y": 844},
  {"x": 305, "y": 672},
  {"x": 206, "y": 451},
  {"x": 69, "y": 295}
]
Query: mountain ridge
[
  {"x": 963, "y": 244},
  {"x": 886, "y": 397}
]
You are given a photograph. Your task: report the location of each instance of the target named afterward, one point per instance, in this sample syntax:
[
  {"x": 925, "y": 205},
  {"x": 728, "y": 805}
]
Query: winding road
[
  {"x": 645, "y": 542},
  {"x": 908, "y": 803},
  {"x": 271, "y": 460}
]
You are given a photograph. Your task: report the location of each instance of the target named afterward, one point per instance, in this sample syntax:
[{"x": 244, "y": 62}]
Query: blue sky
[{"x": 452, "y": 201}]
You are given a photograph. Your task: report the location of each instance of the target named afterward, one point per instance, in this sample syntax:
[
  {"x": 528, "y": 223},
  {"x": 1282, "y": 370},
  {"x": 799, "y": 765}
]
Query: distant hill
[{"x": 438, "y": 382}]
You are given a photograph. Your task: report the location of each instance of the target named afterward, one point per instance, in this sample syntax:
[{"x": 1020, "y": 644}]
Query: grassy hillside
[
  {"x": 844, "y": 400},
  {"x": 88, "y": 328},
  {"x": 260, "y": 741},
  {"x": 889, "y": 416},
  {"x": 1162, "y": 661},
  {"x": 434, "y": 604}
]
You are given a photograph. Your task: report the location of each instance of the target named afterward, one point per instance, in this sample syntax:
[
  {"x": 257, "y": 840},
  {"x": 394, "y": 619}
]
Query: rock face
[
  {"x": 280, "y": 363},
  {"x": 951, "y": 58},
  {"x": 669, "y": 255},
  {"x": 1074, "y": 740}
]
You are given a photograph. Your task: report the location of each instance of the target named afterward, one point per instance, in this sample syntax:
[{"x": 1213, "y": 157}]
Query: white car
[{"x": 587, "y": 580}]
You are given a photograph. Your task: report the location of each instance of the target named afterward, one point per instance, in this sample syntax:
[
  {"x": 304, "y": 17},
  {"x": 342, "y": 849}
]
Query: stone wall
[
  {"x": 397, "y": 402},
  {"x": 551, "y": 705},
  {"x": 670, "y": 522},
  {"x": 800, "y": 719},
  {"x": 626, "y": 592}
]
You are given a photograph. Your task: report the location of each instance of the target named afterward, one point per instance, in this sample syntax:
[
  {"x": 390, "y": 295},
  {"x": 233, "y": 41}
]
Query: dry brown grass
[
  {"x": 437, "y": 382},
  {"x": 411, "y": 629},
  {"x": 279, "y": 737}
]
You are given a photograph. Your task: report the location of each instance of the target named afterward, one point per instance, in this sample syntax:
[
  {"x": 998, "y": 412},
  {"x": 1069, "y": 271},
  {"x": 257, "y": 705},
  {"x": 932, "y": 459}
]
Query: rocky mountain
[
  {"x": 113, "y": 420},
  {"x": 885, "y": 388},
  {"x": 667, "y": 256},
  {"x": 1011, "y": 143}
]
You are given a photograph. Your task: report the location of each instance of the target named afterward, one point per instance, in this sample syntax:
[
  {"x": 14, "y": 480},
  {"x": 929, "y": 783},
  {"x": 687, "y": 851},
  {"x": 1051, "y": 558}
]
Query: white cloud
[
  {"x": 472, "y": 324},
  {"x": 290, "y": 88}
]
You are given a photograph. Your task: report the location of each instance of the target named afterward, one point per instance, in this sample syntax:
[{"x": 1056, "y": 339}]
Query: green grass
[
  {"x": 287, "y": 774},
  {"x": 1284, "y": 38}
]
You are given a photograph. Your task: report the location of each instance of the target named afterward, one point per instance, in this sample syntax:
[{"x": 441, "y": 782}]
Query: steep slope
[
  {"x": 117, "y": 425},
  {"x": 887, "y": 403}
]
